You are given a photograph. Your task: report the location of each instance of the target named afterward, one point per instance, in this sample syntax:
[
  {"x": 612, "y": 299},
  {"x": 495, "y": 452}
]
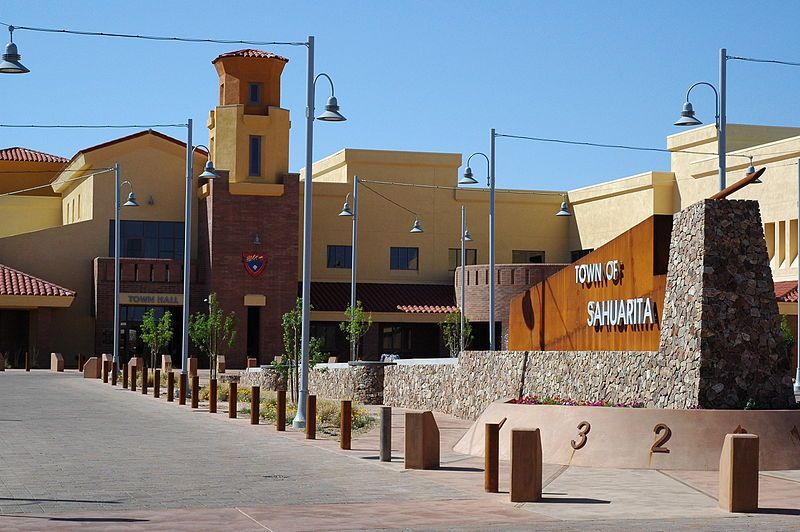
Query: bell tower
[{"x": 248, "y": 130}]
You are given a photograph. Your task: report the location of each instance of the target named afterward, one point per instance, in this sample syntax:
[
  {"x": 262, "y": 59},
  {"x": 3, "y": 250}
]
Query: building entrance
[{"x": 130, "y": 334}]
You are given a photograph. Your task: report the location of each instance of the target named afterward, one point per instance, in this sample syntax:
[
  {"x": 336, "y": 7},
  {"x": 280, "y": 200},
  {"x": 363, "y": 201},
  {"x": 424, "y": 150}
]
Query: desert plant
[
  {"x": 156, "y": 334},
  {"x": 451, "y": 332},
  {"x": 212, "y": 330},
  {"x": 357, "y": 324}
]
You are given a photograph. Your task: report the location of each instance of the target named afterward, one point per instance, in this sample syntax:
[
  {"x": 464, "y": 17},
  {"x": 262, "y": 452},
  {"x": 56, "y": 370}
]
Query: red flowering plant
[{"x": 563, "y": 401}]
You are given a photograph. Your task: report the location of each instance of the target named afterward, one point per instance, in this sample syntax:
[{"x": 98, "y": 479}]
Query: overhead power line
[
  {"x": 443, "y": 187},
  {"x": 387, "y": 198},
  {"x": 773, "y": 61},
  {"x": 78, "y": 178},
  {"x": 90, "y": 126}
]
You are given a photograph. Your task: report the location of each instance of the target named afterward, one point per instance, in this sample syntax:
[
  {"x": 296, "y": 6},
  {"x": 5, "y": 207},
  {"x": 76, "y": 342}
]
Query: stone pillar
[{"x": 368, "y": 381}]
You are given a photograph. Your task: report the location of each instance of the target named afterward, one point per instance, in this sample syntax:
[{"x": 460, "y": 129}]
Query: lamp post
[
  {"x": 10, "y": 63},
  {"x": 465, "y": 237},
  {"x": 208, "y": 173},
  {"x": 797, "y": 341},
  {"x": 130, "y": 203},
  {"x": 688, "y": 118},
  {"x": 331, "y": 114}
]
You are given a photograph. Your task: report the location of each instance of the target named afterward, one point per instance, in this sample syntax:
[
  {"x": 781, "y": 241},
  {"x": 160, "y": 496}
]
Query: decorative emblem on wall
[{"x": 254, "y": 263}]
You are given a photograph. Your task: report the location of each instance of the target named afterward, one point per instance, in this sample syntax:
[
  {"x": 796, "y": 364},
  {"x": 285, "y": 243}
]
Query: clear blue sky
[{"x": 428, "y": 76}]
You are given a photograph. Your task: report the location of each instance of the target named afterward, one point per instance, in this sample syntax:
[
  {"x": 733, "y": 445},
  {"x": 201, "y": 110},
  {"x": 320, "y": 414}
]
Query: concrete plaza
[{"x": 76, "y": 453}]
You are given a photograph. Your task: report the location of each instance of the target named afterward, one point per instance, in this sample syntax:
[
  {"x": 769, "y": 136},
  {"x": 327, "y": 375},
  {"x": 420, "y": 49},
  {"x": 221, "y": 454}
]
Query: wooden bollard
[
  {"x": 170, "y": 386},
  {"x": 311, "y": 417},
  {"x": 255, "y": 403},
  {"x": 738, "y": 473},
  {"x": 182, "y": 389},
  {"x": 422, "y": 445},
  {"x": 113, "y": 373},
  {"x": 195, "y": 390},
  {"x": 346, "y": 425},
  {"x": 79, "y": 362},
  {"x": 386, "y": 434},
  {"x": 280, "y": 417},
  {"x": 233, "y": 400},
  {"x": 156, "y": 383},
  {"x": 212, "y": 396},
  {"x": 27, "y": 361},
  {"x": 491, "y": 454},
  {"x": 133, "y": 378},
  {"x": 105, "y": 371},
  {"x": 526, "y": 465},
  {"x": 145, "y": 375},
  {"x": 125, "y": 375}
]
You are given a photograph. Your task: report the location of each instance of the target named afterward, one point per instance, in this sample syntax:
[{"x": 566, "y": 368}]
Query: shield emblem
[{"x": 254, "y": 263}]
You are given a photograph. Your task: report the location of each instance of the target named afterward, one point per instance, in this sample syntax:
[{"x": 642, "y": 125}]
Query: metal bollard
[
  {"x": 170, "y": 387},
  {"x": 526, "y": 465},
  {"x": 113, "y": 373},
  {"x": 133, "y": 378},
  {"x": 280, "y": 417},
  {"x": 125, "y": 375},
  {"x": 386, "y": 434},
  {"x": 27, "y": 361},
  {"x": 346, "y": 425},
  {"x": 255, "y": 402},
  {"x": 195, "y": 390},
  {"x": 182, "y": 389},
  {"x": 311, "y": 417},
  {"x": 233, "y": 400},
  {"x": 212, "y": 396},
  {"x": 79, "y": 362},
  {"x": 105, "y": 371},
  {"x": 156, "y": 383},
  {"x": 491, "y": 461},
  {"x": 145, "y": 375}
]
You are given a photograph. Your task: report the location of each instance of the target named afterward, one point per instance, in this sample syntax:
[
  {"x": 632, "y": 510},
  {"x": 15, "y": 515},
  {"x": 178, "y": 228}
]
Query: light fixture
[
  {"x": 11, "y": 64},
  {"x": 257, "y": 239},
  {"x": 416, "y": 228},
  {"x": 209, "y": 172},
  {"x": 467, "y": 236},
  {"x": 564, "y": 210},
  {"x": 346, "y": 210},
  {"x": 687, "y": 116},
  {"x": 752, "y": 170},
  {"x": 131, "y": 201},
  {"x": 467, "y": 179},
  {"x": 332, "y": 113}
]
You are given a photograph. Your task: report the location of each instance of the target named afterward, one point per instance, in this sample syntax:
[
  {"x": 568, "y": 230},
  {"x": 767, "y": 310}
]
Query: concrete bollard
[
  {"x": 145, "y": 375},
  {"x": 280, "y": 416},
  {"x": 386, "y": 434},
  {"x": 252, "y": 362},
  {"x": 738, "y": 473},
  {"x": 113, "y": 373},
  {"x": 212, "y": 396},
  {"x": 193, "y": 366},
  {"x": 233, "y": 400},
  {"x": 220, "y": 363},
  {"x": 526, "y": 465},
  {"x": 422, "y": 441},
  {"x": 311, "y": 417},
  {"x": 124, "y": 375},
  {"x": 170, "y": 386},
  {"x": 27, "y": 361},
  {"x": 182, "y": 388},
  {"x": 255, "y": 403},
  {"x": 346, "y": 425},
  {"x": 56, "y": 362},
  {"x": 156, "y": 383},
  {"x": 166, "y": 363},
  {"x": 195, "y": 391},
  {"x": 133, "y": 378}
]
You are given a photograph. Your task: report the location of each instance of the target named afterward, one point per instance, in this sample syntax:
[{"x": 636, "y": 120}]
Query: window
[
  {"x": 148, "y": 240},
  {"x": 340, "y": 257},
  {"x": 255, "y": 155},
  {"x": 454, "y": 259},
  {"x": 404, "y": 258},
  {"x": 395, "y": 339},
  {"x": 255, "y": 93},
  {"x": 527, "y": 257},
  {"x": 330, "y": 336},
  {"x": 578, "y": 254}
]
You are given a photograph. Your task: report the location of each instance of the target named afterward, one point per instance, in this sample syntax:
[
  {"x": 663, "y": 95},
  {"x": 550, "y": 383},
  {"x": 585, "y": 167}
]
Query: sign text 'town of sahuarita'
[{"x": 635, "y": 311}]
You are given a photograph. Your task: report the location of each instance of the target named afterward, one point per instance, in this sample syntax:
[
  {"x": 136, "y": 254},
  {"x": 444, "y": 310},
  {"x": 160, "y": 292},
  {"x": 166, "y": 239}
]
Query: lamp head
[
  {"x": 209, "y": 172},
  {"x": 467, "y": 236},
  {"x": 131, "y": 201},
  {"x": 346, "y": 210},
  {"x": 687, "y": 116},
  {"x": 564, "y": 210},
  {"x": 416, "y": 228},
  {"x": 332, "y": 113},
  {"x": 10, "y": 63},
  {"x": 467, "y": 179}
]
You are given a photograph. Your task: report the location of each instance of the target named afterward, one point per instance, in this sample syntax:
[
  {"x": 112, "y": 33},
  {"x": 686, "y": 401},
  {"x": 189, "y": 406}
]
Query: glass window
[
  {"x": 454, "y": 258},
  {"x": 255, "y": 155},
  {"x": 148, "y": 240},
  {"x": 404, "y": 258},
  {"x": 527, "y": 257},
  {"x": 255, "y": 93},
  {"x": 580, "y": 253},
  {"x": 395, "y": 339},
  {"x": 340, "y": 257}
]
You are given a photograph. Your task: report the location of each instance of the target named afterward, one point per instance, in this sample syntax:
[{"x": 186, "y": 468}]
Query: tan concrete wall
[{"x": 23, "y": 214}]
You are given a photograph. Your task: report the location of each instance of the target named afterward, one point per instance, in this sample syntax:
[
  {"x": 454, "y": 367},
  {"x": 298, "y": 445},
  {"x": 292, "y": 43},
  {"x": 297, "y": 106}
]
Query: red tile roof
[
  {"x": 427, "y": 309},
  {"x": 16, "y": 283},
  {"x": 384, "y": 297},
  {"x": 27, "y": 155},
  {"x": 786, "y": 291},
  {"x": 250, "y": 52}
]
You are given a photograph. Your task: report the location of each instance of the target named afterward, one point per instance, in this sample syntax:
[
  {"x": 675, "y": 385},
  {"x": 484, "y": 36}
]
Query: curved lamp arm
[
  {"x": 716, "y": 97},
  {"x": 324, "y": 75},
  {"x": 488, "y": 164}
]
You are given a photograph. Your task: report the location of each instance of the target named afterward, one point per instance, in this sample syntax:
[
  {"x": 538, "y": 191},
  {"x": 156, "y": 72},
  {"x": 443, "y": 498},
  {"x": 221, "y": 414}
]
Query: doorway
[{"x": 253, "y": 332}]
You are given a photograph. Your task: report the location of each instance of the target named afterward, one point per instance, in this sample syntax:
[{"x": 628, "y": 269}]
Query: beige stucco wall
[{"x": 23, "y": 214}]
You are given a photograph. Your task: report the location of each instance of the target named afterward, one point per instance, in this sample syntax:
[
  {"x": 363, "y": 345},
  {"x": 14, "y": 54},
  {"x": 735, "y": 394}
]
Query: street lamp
[
  {"x": 331, "y": 114},
  {"x": 797, "y": 341},
  {"x": 688, "y": 118},
  {"x": 209, "y": 173},
  {"x": 353, "y": 213},
  {"x": 465, "y": 237},
  {"x": 564, "y": 210},
  {"x": 130, "y": 203},
  {"x": 10, "y": 63}
]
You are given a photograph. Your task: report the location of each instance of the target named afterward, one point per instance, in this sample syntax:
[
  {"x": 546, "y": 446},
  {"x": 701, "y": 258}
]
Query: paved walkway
[{"x": 75, "y": 453}]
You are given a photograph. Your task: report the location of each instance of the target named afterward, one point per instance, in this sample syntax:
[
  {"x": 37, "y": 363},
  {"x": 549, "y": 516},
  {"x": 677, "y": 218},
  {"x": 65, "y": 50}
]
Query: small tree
[
  {"x": 211, "y": 331},
  {"x": 289, "y": 365},
  {"x": 451, "y": 332},
  {"x": 356, "y": 326},
  {"x": 156, "y": 334}
]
